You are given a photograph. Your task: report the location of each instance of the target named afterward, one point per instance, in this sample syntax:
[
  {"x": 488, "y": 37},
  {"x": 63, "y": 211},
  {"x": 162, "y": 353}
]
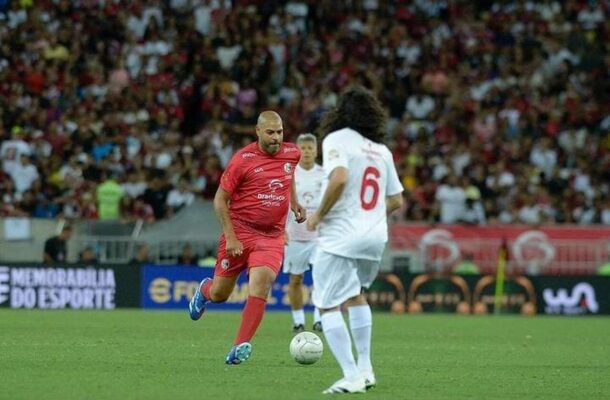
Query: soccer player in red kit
[{"x": 252, "y": 202}]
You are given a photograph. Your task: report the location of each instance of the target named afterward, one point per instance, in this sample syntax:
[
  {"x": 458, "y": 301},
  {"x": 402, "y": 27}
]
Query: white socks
[
  {"x": 298, "y": 316},
  {"x": 361, "y": 323},
  {"x": 316, "y": 315},
  {"x": 340, "y": 343}
]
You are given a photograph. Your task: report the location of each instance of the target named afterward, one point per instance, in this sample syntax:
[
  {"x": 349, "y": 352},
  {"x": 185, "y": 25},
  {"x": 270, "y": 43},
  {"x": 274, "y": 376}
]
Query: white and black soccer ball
[{"x": 306, "y": 348}]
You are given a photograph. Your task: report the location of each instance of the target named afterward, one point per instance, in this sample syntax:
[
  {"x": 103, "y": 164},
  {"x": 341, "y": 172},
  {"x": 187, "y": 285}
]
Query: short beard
[{"x": 267, "y": 148}]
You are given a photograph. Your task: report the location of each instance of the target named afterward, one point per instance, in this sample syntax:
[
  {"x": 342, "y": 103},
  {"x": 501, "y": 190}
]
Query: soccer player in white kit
[
  {"x": 363, "y": 188},
  {"x": 300, "y": 243}
]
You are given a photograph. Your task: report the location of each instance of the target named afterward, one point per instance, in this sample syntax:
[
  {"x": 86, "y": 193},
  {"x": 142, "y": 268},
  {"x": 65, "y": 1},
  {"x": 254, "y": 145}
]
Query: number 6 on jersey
[{"x": 369, "y": 191}]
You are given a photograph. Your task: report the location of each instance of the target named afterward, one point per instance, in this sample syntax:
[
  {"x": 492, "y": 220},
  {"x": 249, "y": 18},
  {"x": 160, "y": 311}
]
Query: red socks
[{"x": 251, "y": 317}]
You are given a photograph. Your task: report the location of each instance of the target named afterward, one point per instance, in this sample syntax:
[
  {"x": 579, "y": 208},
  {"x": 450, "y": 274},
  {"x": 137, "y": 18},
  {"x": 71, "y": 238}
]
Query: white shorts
[
  {"x": 297, "y": 256},
  {"x": 337, "y": 279}
]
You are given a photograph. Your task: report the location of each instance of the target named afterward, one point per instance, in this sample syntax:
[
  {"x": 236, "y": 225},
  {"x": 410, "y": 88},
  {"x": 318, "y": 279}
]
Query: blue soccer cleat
[
  {"x": 239, "y": 353},
  {"x": 198, "y": 302}
]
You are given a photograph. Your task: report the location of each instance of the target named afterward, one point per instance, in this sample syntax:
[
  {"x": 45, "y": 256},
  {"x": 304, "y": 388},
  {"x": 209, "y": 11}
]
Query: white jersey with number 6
[{"x": 356, "y": 226}]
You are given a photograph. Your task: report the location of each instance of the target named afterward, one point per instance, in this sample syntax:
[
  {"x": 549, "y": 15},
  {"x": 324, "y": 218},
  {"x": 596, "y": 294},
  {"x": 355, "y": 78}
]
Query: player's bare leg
[
  {"x": 295, "y": 295},
  {"x": 361, "y": 323},
  {"x": 221, "y": 288},
  {"x": 317, "y": 320},
  {"x": 340, "y": 343},
  {"x": 216, "y": 290},
  {"x": 259, "y": 284}
]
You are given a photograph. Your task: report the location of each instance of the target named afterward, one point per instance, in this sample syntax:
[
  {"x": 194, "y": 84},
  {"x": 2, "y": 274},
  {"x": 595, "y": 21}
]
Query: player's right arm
[
  {"x": 221, "y": 206},
  {"x": 394, "y": 188},
  {"x": 229, "y": 181},
  {"x": 393, "y": 203}
]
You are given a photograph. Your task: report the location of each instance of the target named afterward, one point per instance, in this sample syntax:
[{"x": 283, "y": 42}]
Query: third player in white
[{"x": 300, "y": 242}]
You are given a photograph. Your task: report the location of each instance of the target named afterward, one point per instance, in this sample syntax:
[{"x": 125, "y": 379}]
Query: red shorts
[{"x": 258, "y": 251}]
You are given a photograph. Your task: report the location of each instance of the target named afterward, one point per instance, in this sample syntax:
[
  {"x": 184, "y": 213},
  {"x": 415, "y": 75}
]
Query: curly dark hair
[{"x": 359, "y": 110}]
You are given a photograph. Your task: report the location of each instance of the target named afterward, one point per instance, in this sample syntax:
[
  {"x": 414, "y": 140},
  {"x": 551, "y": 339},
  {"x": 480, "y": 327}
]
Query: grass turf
[{"x": 132, "y": 354}]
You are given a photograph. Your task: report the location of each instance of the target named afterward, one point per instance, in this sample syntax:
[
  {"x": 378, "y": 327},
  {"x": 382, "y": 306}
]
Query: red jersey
[{"x": 259, "y": 185}]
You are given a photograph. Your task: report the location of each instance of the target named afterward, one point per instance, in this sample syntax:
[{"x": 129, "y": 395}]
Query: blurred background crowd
[{"x": 499, "y": 110}]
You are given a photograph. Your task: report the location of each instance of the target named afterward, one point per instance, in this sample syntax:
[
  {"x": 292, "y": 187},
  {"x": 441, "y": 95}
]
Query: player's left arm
[
  {"x": 334, "y": 190},
  {"x": 335, "y": 161},
  {"x": 299, "y": 211}
]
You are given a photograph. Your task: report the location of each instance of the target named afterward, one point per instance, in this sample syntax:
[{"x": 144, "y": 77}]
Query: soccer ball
[{"x": 306, "y": 348}]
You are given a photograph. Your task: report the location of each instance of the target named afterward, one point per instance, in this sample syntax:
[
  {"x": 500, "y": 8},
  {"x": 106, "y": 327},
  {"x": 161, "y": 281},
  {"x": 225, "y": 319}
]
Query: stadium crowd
[{"x": 499, "y": 110}]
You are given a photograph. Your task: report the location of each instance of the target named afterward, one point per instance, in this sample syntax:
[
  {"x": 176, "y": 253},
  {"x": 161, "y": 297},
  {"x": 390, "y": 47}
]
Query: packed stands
[{"x": 499, "y": 110}]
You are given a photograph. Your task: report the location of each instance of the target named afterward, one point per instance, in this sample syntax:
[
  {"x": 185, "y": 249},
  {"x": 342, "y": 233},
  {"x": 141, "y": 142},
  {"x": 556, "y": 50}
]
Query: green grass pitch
[{"x": 133, "y": 354}]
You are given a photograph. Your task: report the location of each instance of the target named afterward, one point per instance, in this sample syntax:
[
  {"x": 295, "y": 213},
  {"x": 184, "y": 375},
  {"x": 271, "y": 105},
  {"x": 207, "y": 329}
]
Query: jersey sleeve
[
  {"x": 334, "y": 154},
  {"x": 298, "y": 154},
  {"x": 394, "y": 186},
  {"x": 232, "y": 174}
]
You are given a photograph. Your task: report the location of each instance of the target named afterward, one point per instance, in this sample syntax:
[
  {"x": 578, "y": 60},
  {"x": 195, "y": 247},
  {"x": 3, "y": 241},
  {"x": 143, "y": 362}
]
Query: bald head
[
  {"x": 270, "y": 132},
  {"x": 267, "y": 117}
]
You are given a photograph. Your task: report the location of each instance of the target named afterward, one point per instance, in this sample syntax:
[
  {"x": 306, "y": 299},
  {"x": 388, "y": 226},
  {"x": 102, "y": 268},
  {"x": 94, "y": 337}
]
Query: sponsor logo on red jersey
[{"x": 275, "y": 184}]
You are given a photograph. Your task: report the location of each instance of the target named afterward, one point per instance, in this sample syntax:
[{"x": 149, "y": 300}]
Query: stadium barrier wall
[
  {"x": 475, "y": 294},
  {"x": 106, "y": 287},
  {"x": 171, "y": 287},
  {"x": 69, "y": 286},
  {"x": 550, "y": 250}
]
